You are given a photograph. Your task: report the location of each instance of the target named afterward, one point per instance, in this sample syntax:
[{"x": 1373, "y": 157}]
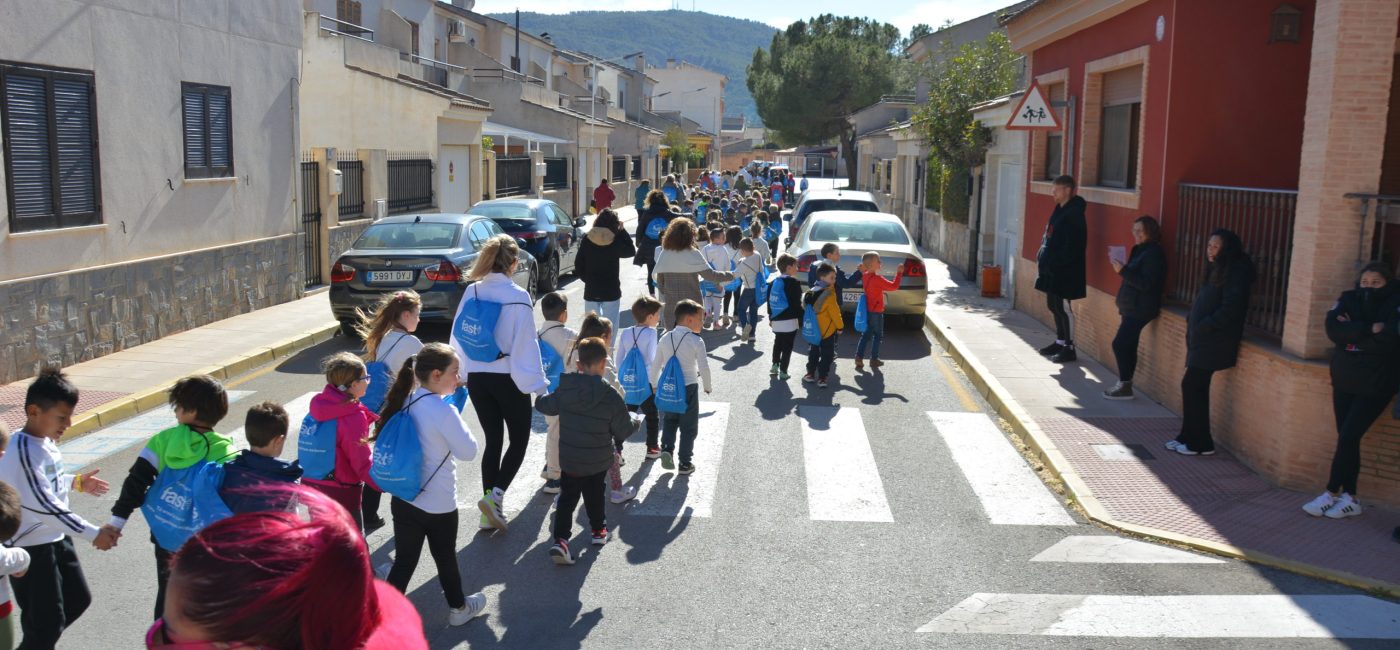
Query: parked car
[
  {"x": 813, "y": 201},
  {"x": 548, "y": 232},
  {"x": 428, "y": 253},
  {"x": 859, "y": 232}
]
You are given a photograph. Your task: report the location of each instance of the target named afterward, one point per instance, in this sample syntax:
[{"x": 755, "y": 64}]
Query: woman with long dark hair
[
  {"x": 651, "y": 223},
  {"x": 1139, "y": 300},
  {"x": 1214, "y": 329}
]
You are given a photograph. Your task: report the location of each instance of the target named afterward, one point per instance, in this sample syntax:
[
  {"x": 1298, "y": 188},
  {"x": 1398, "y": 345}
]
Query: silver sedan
[{"x": 857, "y": 233}]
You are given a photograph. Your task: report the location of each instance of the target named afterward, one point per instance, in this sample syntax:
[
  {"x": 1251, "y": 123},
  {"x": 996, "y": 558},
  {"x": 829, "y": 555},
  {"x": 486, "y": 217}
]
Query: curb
[
  {"x": 149, "y": 398},
  {"x": 1006, "y": 406}
]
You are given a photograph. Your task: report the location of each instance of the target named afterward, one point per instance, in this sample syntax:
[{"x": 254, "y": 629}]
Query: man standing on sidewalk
[
  {"x": 1061, "y": 262},
  {"x": 604, "y": 196}
]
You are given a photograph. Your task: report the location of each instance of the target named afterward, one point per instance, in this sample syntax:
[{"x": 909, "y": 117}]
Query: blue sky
[{"x": 901, "y": 13}]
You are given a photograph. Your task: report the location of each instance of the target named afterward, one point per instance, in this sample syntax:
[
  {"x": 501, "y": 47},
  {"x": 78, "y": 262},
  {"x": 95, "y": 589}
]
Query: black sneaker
[
  {"x": 372, "y": 525},
  {"x": 687, "y": 468},
  {"x": 1065, "y": 355},
  {"x": 1051, "y": 350},
  {"x": 1123, "y": 390}
]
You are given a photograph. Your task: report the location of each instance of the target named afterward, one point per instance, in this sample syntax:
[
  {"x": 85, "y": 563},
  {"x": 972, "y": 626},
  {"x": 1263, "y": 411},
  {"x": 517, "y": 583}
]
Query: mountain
[{"x": 719, "y": 43}]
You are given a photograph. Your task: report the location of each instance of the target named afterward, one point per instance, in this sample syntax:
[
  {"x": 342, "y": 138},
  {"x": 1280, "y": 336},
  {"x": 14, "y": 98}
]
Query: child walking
[
  {"x": 716, "y": 254},
  {"x": 266, "y": 428},
  {"x": 683, "y": 342},
  {"x": 646, "y": 313},
  {"x": 784, "y": 314},
  {"x": 200, "y": 403},
  {"x": 554, "y": 333},
  {"x": 432, "y": 515},
  {"x": 598, "y": 327},
  {"x": 596, "y": 422},
  {"x": 732, "y": 235},
  {"x": 825, "y": 302},
  {"x": 750, "y": 264},
  {"x": 346, "y": 381},
  {"x": 13, "y": 561},
  {"x": 875, "y": 287},
  {"x": 389, "y": 341}
]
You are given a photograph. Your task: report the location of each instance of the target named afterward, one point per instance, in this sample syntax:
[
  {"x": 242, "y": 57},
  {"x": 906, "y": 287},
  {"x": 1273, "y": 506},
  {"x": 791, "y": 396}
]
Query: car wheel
[
  {"x": 349, "y": 330},
  {"x": 549, "y": 275},
  {"x": 532, "y": 286}
]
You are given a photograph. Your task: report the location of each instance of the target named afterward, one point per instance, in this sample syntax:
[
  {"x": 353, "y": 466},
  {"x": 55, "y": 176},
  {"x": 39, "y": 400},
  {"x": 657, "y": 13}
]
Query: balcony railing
[
  {"x": 434, "y": 72},
  {"x": 504, "y": 75},
  {"x": 1384, "y": 243},
  {"x": 348, "y": 29},
  {"x": 1264, "y": 221}
]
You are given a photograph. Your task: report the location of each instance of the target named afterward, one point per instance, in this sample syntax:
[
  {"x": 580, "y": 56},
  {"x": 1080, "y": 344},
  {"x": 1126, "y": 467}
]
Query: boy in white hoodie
[
  {"x": 716, "y": 254},
  {"x": 559, "y": 336}
]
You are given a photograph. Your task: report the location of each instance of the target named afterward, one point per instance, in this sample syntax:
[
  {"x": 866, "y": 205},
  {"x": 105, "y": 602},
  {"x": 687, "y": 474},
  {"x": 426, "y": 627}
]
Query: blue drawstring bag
[
  {"x": 656, "y": 228},
  {"x": 553, "y": 364},
  {"x": 475, "y": 327},
  {"x": 397, "y": 463},
  {"x": 316, "y": 448},
  {"x": 671, "y": 193},
  {"x": 862, "y": 315},
  {"x": 183, "y": 502},
  {"x": 670, "y": 387},
  {"x": 777, "y": 296},
  {"x": 760, "y": 285},
  {"x": 381, "y": 377},
  {"x": 811, "y": 329},
  {"x": 737, "y": 283},
  {"x": 700, "y": 211},
  {"x": 636, "y": 386},
  {"x": 458, "y": 398}
]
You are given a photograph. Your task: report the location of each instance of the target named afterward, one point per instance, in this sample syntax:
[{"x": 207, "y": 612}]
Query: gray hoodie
[{"x": 593, "y": 420}]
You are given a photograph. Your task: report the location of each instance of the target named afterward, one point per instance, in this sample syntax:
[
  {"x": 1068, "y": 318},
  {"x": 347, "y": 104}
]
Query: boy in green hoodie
[{"x": 199, "y": 403}]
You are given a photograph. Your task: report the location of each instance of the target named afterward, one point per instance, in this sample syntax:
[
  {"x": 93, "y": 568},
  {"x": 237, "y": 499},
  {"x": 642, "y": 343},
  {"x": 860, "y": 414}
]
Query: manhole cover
[{"x": 1131, "y": 451}]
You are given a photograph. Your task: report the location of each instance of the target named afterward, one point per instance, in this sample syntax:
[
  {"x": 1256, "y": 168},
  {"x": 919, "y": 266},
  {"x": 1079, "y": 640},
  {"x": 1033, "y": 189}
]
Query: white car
[{"x": 858, "y": 233}]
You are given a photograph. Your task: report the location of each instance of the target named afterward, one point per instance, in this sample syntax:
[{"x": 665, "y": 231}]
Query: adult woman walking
[
  {"x": 500, "y": 384},
  {"x": 679, "y": 268},
  {"x": 1139, "y": 300},
  {"x": 1214, "y": 329},
  {"x": 640, "y": 199},
  {"x": 1365, "y": 376},
  {"x": 651, "y": 223},
  {"x": 598, "y": 264}
]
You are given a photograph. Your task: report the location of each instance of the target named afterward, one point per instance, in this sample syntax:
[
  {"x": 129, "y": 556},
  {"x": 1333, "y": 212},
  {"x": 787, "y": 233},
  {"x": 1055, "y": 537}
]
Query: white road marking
[
  {"x": 109, "y": 440},
  {"x": 1107, "y": 549},
  {"x": 843, "y": 481},
  {"x": 297, "y": 409},
  {"x": 1009, "y": 491},
  {"x": 662, "y": 493},
  {"x": 1265, "y": 616}
]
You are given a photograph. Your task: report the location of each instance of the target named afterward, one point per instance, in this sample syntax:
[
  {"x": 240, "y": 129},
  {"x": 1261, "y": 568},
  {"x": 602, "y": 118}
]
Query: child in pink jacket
[{"x": 346, "y": 381}]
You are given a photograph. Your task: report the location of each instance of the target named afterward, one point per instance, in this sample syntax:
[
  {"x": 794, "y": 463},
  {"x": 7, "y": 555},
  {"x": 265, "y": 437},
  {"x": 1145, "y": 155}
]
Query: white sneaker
[
  {"x": 382, "y": 571},
  {"x": 627, "y": 493},
  {"x": 1319, "y": 506},
  {"x": 1172, "y": 445},
  {"x": 490, "y": 508},
  {"x": 1346, "y": 506},
  {"x": 476, "y": 605},
  {"x": 485, "y": 523}
]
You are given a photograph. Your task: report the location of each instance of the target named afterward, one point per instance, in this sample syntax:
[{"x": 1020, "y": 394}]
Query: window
[
  {"x": 413, "y": 44},
  {"x": 561, "y": 219},
  {"x": 481, "y": 231},
  {"x": 51, "y": 166},
  {"x": 1119, "y": 121},
  {"x": 348, "y": 11},
  {"x": 208, "y": 126}
]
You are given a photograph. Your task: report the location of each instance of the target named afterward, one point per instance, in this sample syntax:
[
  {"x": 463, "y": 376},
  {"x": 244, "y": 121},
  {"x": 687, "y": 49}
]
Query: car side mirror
[
  {"x": 520, "y": 242},
  {"x": 580, "y": 222}
]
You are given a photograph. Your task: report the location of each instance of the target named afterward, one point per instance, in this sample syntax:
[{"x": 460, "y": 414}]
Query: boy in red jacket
[{"x": 875, "y": 287}]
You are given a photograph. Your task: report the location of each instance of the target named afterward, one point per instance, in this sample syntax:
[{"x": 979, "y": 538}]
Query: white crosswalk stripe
[
  {"x": 843, "y": 481},
  {"x": 1110, "y": 549},
  {"x": 297, "y": 410},
  {"x": 1008, "y": 490},
  {"x": 667, "y": 494},
  {"x": 1263, "y": 616}
]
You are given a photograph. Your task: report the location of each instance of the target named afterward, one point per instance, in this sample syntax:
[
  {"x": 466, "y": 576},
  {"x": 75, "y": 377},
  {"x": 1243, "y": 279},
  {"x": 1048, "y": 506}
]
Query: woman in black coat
[
  {"x": 1214, "y": 329},
  {"x": 1365, "y": 376},
  {"x": 1139, "y": 300},
  {"x": 599, "y": 264},
  {"x": 649, "y": 233},
  {"x": 1060, "y": 264}
]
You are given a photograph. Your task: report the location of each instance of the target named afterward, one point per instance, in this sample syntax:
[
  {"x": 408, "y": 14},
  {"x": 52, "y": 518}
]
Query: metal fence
[
  {"x": 309, "y": 226},
  {"x": 1384, "y": 243},
  {"x": 556, "y": 173},
  {"x": 410, "y": 184},
  {"x": 619, "y": 169},
  {"x": 513, "y": 175},
  {"x": 1264, "y": 221},
  {"x": 352, "y": 191}
]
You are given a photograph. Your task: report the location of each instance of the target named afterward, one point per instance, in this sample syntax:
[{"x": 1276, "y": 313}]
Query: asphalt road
[{"x": 735, "y": 558}]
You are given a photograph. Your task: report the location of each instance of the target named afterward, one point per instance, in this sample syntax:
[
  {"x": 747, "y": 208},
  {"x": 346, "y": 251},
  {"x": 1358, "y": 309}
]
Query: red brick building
[{"x": 1268, "y": 117}]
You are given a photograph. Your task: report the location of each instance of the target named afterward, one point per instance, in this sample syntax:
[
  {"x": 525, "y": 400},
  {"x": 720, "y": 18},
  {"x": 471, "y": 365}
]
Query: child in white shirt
[
  {"x": 646, "y": 312},
  {"x": 561, "y": 337},
  {"x": 716, "y": 254}
]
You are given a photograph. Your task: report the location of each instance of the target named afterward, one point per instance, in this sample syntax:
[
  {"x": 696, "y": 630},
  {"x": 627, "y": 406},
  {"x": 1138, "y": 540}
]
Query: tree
[
  {"x": 816, "y": 73},
  {"x": 681, "y": 152}
]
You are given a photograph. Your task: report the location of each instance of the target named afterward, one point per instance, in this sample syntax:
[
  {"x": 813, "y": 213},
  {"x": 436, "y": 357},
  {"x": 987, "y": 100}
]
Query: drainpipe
[{"x": 517, "y": 65}]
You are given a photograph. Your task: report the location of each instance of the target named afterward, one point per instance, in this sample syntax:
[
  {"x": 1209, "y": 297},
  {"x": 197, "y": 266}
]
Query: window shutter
[
  {"x": 27, "y": 125},
  {"x": 77, "y": 178},
  {"x": 219, "y": 137},
  {"x": 1122, "y": 86},
  {"x": 196, "y": 146}
]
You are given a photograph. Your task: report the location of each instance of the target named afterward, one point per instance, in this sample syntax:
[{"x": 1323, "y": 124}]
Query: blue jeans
[
  {"x": 608, "y": 310},
  {"x": 748, "y": 308},
  {"x": 688, "y": 423},
  {"x": 874, "y": 330}
]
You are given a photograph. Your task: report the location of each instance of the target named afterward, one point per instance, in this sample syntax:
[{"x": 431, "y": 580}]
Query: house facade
[
  {"x": 149, "y": 178},
  {"x": 1283, "y": 131}
]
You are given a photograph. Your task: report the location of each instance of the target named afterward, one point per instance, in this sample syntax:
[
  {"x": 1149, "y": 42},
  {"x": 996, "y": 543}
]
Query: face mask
[{"x": 1366, "y": 293}]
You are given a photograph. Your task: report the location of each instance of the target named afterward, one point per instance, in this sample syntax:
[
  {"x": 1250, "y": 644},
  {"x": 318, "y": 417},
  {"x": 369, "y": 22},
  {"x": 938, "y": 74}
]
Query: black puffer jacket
[
  {"x": 599, "y": 262},
  {"x": 1215, "y": 326},
  {"x": 593, "y": 420},
  {"x": 1061, "y": 256},
  {"x": 646, "y": 246},
  {"x": 793, "y": 290},
  {"x": 1140, "y": 295},
  {"x": 1366, "y": 362}
]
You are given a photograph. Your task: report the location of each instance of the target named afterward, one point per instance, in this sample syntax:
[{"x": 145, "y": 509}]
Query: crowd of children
[{"x": 391, "y": 421}]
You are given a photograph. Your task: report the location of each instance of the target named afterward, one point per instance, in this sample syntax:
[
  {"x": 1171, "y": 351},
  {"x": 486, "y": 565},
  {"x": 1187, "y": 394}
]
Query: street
[{"x": 887, "y": 511}]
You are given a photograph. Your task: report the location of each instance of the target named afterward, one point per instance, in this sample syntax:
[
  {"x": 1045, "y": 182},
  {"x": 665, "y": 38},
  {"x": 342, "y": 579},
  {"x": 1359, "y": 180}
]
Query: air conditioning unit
[{"x": 457, "y": 31}]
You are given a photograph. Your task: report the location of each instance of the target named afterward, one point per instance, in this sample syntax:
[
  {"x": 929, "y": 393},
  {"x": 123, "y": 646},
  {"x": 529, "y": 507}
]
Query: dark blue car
[{"x": 550, "y": 235}]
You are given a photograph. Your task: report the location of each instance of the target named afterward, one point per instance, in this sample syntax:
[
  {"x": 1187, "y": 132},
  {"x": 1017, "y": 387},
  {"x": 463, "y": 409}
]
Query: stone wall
[
  {"x": 81, "y": 315},
  {"x": 342, "y": 236}
]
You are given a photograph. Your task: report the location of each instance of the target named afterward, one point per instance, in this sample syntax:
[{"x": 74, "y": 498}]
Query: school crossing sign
[{"x": 1034, "y": 112}]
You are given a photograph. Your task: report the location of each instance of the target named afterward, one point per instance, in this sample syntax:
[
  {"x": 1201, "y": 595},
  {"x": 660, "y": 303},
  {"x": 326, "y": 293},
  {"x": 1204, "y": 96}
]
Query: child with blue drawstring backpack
[
  {"x": 825, "y": 307},
  {"x": 716, "y": 254},
  {"x": 677, "y": 371},
  {"x": 750, "y": 269},
  {"x": 199, "y": 403},
  {"x": 332, "y": 445},
  {"x": 556, "y": 339},
  {"x": 389, "y": 341},
  {"x": 636, "y": 347},
  {"x": 784, "y": 313},
  {"x": 598, "y": 327}
]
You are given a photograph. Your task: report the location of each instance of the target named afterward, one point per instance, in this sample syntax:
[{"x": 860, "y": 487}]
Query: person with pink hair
[{"x": 283, "y": 579}]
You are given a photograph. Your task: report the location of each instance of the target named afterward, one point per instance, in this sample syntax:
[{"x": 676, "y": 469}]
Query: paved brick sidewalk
[
  {"x": 1111, "y": 457},
  {"x": 125, "y": 383}
]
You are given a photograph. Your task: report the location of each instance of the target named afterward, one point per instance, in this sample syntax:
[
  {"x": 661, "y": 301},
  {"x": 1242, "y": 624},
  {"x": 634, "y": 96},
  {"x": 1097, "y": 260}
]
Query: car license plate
[
  {"x": 851, "y": 297},
  {"x": 386, "y": 277}
]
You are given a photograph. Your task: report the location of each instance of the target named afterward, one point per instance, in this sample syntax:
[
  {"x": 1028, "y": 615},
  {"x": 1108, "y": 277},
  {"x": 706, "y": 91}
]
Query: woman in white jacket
[{"x": 679, "y": 269}]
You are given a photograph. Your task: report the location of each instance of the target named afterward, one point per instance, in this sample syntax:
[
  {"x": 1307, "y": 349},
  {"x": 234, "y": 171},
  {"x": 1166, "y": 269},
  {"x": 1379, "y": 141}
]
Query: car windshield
[
  {"x": 822, "y": 205},
  {"x": 409, "y": 235},
  {"x": 858, "y": 232},
  {"x": 508, "y": 216}
]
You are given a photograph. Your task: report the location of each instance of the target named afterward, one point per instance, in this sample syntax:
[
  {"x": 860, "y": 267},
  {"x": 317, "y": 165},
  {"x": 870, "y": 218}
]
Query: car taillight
[
  {"x": 445, "y": 271},
  {"x": 913, "y": 269},
  {"x": 341, "y": 274},
  {"x": 527, "y": 236},
  {"x": 804, "y": 263}
]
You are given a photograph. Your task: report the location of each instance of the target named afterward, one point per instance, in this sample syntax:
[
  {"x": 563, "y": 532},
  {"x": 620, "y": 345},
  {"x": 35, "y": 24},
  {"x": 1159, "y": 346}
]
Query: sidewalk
[
  {"x": 1110, "y": 455},
  {"x": 125, "y": 383}
]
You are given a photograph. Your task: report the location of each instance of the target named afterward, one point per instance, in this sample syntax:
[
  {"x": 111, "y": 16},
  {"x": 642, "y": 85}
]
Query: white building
[{"x": 693, "y": 91}]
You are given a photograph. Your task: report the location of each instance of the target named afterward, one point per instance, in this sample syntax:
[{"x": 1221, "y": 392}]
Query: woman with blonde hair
[{"x": 679, "y": 269}]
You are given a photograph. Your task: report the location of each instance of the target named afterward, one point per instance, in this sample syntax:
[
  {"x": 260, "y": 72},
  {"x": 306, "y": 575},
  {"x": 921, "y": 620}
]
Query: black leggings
[
  {"x": 1064, "y": 317},
  {"x": 1355, "y": 414},
  {"x": 411, "y": 527},
  {"x": 1195, "y": 410},
  {"x": 500, "y": 408},
  {"x": 782, "y": 349},
  {"x": 1125, "y": 346},
  {"x": 369, "y": 505}
]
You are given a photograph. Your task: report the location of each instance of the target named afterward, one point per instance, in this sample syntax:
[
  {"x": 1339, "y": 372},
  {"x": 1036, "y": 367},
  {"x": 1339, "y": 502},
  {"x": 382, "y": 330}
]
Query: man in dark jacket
[
  {"x": 593, "y": 421},
  {"x": 1061, "y": 262}
]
